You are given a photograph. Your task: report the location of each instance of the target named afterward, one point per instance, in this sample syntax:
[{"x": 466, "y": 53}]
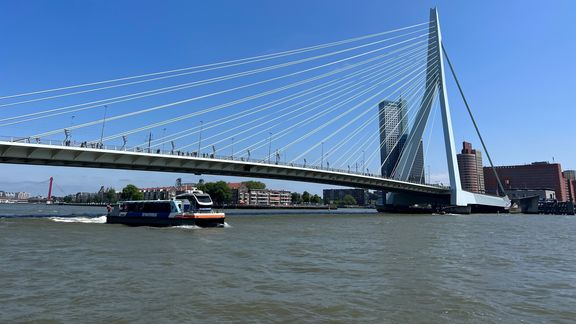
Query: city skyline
[{"x": 465, "y": 42}]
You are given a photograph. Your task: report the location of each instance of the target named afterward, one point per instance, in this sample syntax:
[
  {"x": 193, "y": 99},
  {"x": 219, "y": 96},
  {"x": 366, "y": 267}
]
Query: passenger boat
[{"x": 186, "y": 209}]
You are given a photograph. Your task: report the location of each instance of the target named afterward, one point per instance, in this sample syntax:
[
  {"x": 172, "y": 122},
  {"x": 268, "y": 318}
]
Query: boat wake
[
  {"x": 86, "y": 220},
  {"x": 194, "y": 227},
  {"x": 187, "y": 227}
]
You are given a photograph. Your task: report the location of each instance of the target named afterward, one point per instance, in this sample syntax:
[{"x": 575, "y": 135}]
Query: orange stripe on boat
[{"x": 203, "y": 216}]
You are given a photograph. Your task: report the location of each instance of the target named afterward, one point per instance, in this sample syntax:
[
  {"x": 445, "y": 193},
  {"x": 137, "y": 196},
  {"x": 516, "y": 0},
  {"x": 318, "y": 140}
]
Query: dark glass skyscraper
[{"x": 393, "y": 123}]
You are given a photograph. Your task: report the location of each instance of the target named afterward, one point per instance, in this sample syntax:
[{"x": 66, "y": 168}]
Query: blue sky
[{"x": 515, "y": 60}]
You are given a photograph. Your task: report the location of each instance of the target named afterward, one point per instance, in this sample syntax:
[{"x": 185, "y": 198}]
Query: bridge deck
[{"x": 42, "y": 154}]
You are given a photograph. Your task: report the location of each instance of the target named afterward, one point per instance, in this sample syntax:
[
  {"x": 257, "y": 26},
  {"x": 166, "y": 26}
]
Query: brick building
[
  {"x": 470, "y": 166},
  {"x": 570, "y": 176},
  {"x": 530, "y": 176}
]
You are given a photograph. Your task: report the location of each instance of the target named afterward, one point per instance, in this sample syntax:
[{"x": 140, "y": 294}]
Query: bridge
[{"x": 371, "y": 94}]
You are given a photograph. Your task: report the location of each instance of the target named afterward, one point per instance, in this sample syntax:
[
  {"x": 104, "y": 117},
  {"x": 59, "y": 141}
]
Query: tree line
[{"x": 219, "y": 191}]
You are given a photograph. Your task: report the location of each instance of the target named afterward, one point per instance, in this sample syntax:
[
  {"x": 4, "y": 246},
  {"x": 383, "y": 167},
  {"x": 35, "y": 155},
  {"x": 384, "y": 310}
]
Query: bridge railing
[{"x": 156, "y": 151}]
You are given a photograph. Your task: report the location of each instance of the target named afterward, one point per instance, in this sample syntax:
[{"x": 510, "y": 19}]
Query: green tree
[
  {"x": 316, "y": 199},
  {"x": 306, "y": 196},
  {"x": 218, "y": 191},
  {"x": 131, "y": 192},
  {"x": 296, "y": 198},
  {"x": 348, "y": 200},
  {"x": 251, "y": 185},
  {"x": 110, "y": 195}
]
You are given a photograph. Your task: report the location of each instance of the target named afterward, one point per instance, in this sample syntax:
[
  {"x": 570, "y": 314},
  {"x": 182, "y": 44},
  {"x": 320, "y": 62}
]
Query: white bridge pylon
[{"x": 436, "y": 85}]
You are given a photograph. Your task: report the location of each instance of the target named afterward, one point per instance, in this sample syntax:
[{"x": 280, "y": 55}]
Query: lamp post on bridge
[
  {"x": 363, "y": 160},
  {"x": 322, "y": 157},
  {"x": 163, "y": 135},
  {"x": 232, "y": 148},
  {"x": 103, "y": 124},
  {"x": 269, "y": 146},
  {"x": 200, "y": 138},
  {"x": 124, "y": 141}
]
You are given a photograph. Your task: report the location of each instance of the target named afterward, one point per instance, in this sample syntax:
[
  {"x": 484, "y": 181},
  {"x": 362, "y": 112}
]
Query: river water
[{"x": 345, "y": 266}]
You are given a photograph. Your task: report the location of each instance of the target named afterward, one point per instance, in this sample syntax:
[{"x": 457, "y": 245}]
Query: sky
[{"x": 515, "y": 60}]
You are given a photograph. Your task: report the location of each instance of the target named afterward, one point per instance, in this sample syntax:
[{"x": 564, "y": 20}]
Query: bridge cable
[
  {"x": 172, "y": 120},
  {"x": 313, "y": 117},
  {"x": 110, "y": 101},
  {"x": 375, "y": 136},
  {"x": 247, "y": 98},
  {"x": 411, "y": 105},
  {"x": 205, "y": 96},
  {"x": 356, "y": 131},
  {"x": 410, "y": 137},
  {"x": 250, "y": 60},
  {"x": 221, "y": 78},
  {"x": 354, "y": 119},
  {"x": 301, "y": 122},
  {"x": 500, "y": 186},
  {"x": 408, "y": 128},
  {"x": 269, "y": 105}
]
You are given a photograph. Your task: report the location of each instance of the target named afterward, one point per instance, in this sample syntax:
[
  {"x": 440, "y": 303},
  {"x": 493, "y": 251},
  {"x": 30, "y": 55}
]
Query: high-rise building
[
  {"x": 537, "y": 175},
  {"x": 393, "y": 123},
  {"x": 417, "y": 171},
  {"x": 393, "y": 126},
  {"x": 471, "y": 170}
]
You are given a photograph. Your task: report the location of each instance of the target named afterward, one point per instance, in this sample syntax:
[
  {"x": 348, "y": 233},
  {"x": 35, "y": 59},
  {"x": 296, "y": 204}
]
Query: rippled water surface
[{"x": 339, "y": 267}]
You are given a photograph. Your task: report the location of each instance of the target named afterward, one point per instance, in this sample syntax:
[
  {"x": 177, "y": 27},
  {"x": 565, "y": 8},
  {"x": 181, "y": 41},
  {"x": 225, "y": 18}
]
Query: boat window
[
  {"x": 185, "y": 205},
  {"x": 156, "y": 207},
  {"x": 204, "y": 199}
]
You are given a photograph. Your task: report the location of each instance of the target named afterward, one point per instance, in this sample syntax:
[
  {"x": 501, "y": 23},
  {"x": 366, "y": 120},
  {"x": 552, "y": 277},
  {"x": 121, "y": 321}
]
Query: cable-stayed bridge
[{"x": 354, "y": 113}]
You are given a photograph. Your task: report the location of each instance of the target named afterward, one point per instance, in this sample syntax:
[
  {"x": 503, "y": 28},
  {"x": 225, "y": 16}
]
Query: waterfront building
[
  {"x": 529, "y": 176},
  {"x": 542, "y": 194},
  {"x": 22, "y": 195},
  {"x": 332, "y": 195},
  {"x": 242, "y": 195},
  {"x": 393, "y": 125},
  {"x": 6, "y": 196},
  {"x": 471, "y": 170},
  {"x": 570, "y": 177},
  {"x": 265, "y": 197}
]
